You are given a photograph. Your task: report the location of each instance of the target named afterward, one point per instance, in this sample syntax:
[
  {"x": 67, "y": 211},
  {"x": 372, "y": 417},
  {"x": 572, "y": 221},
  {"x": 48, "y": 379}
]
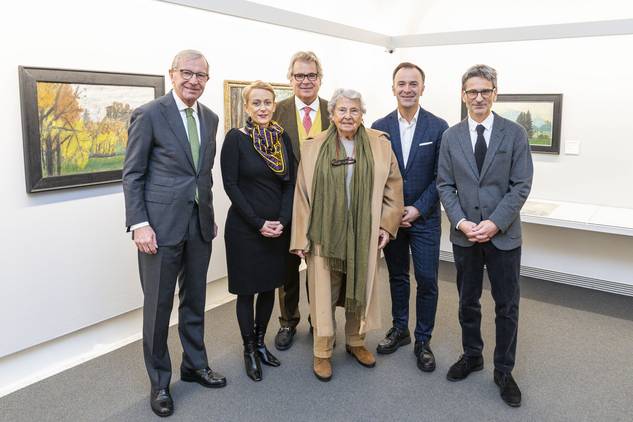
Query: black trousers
[
  {"x": 503, "y": 271},
  {"x": 289, "y": 293},
  {"x": 187, "y": 263}
]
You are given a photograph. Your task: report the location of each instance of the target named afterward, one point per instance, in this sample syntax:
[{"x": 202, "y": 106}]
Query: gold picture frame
[{"x": 234, "y": 115}]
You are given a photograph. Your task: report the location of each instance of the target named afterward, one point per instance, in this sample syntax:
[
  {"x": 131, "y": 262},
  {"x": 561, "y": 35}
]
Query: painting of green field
[
  {"x": 83, "y": 128},
  {"x": 535, "y": 117}
]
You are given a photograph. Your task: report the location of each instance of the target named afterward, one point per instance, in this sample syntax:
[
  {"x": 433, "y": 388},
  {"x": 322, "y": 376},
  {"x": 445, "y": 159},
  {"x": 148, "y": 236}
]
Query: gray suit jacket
[
  {"x": 498, "y": 193},
  {"x": 159, "y": 177},
  {"x": 286, "y": 115}
]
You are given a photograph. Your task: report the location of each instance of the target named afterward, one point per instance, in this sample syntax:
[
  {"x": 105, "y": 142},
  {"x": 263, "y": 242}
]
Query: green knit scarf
[{"x": 341, "y": 233}]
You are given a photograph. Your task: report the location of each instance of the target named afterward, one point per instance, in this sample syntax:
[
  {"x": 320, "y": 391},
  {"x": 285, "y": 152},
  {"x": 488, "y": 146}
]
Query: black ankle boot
[
  {"x": 251, "y": 359},
  {"x": 264, "y": 354}
]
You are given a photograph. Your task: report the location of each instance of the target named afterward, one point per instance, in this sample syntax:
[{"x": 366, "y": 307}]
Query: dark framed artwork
[
  {"x": 539, "y": 114},
  {"x": 74, "y": 124},
  {"x": 234, "y": 114}
]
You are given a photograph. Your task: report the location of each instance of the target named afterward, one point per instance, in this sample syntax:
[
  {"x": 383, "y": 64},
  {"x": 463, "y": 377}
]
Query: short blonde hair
[
  {"x": 305, "y": 56},
  {"x": 257, "y": 85}
]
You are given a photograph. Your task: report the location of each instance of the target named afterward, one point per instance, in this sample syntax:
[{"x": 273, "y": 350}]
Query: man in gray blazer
[
  {"x": 484, "y": 177},
  {"x": 169, "y": 209},
  {"x": 302, "y": 116}
]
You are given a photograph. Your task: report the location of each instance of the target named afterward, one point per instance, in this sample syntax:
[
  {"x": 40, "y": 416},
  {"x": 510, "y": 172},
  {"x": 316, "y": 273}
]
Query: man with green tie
[{"x": 169, "y": 210}]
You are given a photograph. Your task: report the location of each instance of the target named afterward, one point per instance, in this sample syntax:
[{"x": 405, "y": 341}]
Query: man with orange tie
[{"x": 302, "y": 116}]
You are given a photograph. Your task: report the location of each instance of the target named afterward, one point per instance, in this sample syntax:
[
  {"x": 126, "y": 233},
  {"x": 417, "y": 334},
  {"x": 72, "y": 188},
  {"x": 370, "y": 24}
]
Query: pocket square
[{"x": 425, "y": 143}]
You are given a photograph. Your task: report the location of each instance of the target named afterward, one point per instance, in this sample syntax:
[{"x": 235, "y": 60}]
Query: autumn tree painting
[
  {"x": 73, "y": 139},
  {"x": 75, "y": 122}
]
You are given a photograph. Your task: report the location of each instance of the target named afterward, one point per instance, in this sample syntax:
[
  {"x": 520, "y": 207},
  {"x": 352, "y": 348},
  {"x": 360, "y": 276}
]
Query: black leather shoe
[
  {"x": 395, "y": 338},
  {"x": 206, "y": 377},
  {"x": 265, "y": 356},
  {"x": 464, "y": 366},
  {"x": 508, "y": 388},
  {"x": 425, "y": 357},
  {"x": 284, "y": 337},
  {"x": 161, "y": 402}
]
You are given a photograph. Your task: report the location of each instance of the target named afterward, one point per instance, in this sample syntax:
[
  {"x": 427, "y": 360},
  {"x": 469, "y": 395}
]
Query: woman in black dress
[{"x": 257, "y": 175}]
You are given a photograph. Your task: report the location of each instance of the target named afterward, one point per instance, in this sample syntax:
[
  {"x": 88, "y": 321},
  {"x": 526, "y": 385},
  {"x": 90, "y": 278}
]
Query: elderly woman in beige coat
[{"x": 348, "y": 205}]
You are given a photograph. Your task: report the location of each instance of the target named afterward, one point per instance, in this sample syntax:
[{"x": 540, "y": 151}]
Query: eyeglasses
[
  {"x": 188, "y": 74},
  {"x": 473, "y": 93},
  {"x": 299, "y": 77},
  {"x": 343, "y": 161},
  {"x": 342, "y": 112}
]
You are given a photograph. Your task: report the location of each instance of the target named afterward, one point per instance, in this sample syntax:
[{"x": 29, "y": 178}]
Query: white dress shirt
[
  {"x": 406, "y": 134},
  {"x": 314, "y": 107},
  {"x": 472, "y": 129},
  {"x": 183, "y": 115}
]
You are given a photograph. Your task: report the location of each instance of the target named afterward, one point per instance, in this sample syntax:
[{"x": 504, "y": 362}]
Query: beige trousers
[{"x": 323, "y": 345}]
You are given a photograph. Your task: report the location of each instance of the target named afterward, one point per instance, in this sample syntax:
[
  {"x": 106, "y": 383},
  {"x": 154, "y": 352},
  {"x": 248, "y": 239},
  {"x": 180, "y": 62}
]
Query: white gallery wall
[
  {"x": 593, "y": 74},
  {"x": 69, "y": 268},
  {"x": 66, "y": 260}
]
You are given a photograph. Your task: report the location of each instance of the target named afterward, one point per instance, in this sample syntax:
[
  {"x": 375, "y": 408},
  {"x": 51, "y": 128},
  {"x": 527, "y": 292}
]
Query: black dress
[{"x": 255, "y": 263}]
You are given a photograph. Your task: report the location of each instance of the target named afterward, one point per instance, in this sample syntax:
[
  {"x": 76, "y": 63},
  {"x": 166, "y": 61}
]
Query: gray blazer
[
  {"x": 159, "y": 177},
  {"x": 498, "y": 193}
]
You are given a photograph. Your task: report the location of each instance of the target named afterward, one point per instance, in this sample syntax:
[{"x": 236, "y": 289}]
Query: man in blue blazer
[
  {"x": 415, "y": 138},
  {"x": 169, "y": 209},
  {"x": 484, "y": 177}
]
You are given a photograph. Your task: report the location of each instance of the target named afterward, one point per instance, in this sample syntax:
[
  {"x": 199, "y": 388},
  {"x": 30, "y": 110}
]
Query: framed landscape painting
[
  {"x": 74, "y": 124},
  {"x": 539, "y": 114},
  {"x": 234, "y": 114}
]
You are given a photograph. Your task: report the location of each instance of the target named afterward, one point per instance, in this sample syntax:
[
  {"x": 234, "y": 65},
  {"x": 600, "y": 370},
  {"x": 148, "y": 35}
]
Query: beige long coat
[{"x": 386, "y": 207}]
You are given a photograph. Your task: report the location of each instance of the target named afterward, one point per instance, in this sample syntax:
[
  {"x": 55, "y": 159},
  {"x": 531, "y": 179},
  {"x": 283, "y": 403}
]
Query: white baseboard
[
  {"x": 39, "y": 362},
  {"x": 564, "y": 278}
]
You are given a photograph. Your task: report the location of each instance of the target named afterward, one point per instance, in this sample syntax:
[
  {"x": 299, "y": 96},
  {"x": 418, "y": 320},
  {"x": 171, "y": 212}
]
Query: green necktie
[{"x": 194, "y": 140}]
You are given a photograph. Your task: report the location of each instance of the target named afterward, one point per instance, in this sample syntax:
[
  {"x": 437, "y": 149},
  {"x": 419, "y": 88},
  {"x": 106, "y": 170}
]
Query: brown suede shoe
[
  {"x": 323, "y": 369},
  {"x": 362, "y": 355}
]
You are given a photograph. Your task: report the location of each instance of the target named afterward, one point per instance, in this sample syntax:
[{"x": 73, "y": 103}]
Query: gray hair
[
  {"x": 350, "y": 94},
  {"x": 304, "y": 56},
  {"x": 480, "y": 71},
  {"x": 187, "y": 55}
]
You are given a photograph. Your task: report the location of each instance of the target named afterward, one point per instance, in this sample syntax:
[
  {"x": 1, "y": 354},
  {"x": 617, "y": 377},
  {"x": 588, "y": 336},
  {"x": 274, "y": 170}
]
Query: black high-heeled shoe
[
  {"x": 264, "y": 354},
  {"x": 251, "y": 359}
]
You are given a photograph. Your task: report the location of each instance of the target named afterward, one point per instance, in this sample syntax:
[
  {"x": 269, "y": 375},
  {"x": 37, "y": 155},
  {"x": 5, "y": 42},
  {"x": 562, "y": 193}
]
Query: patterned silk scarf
[{"x": 268, "y": 143}]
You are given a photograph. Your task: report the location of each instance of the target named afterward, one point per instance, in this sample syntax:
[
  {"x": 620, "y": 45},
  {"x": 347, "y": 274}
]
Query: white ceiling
[
  {"x": 408, "y": 17},
  {"x": 411, "y": 23}
]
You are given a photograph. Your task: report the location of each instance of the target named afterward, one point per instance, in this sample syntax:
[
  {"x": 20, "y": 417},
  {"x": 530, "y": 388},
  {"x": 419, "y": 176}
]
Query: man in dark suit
[
  {"x": 484, "y": 177},
  {"x": 169, "y": 209},
  {"x": 302, "y": 116},
  {"x": 415, "y": 138}
]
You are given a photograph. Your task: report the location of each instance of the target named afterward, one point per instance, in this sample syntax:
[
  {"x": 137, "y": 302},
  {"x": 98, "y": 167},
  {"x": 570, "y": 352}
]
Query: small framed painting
[
  {"x": 74, "y": 124},
  {"x": 539, "y": 114},
  {"x": 234, "y": 114}
]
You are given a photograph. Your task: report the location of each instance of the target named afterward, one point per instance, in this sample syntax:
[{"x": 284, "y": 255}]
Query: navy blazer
[{"x": 421, "y": 170}]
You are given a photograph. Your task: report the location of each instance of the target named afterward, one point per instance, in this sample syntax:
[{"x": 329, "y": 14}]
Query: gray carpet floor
[{"x": 574, "y": 363}]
